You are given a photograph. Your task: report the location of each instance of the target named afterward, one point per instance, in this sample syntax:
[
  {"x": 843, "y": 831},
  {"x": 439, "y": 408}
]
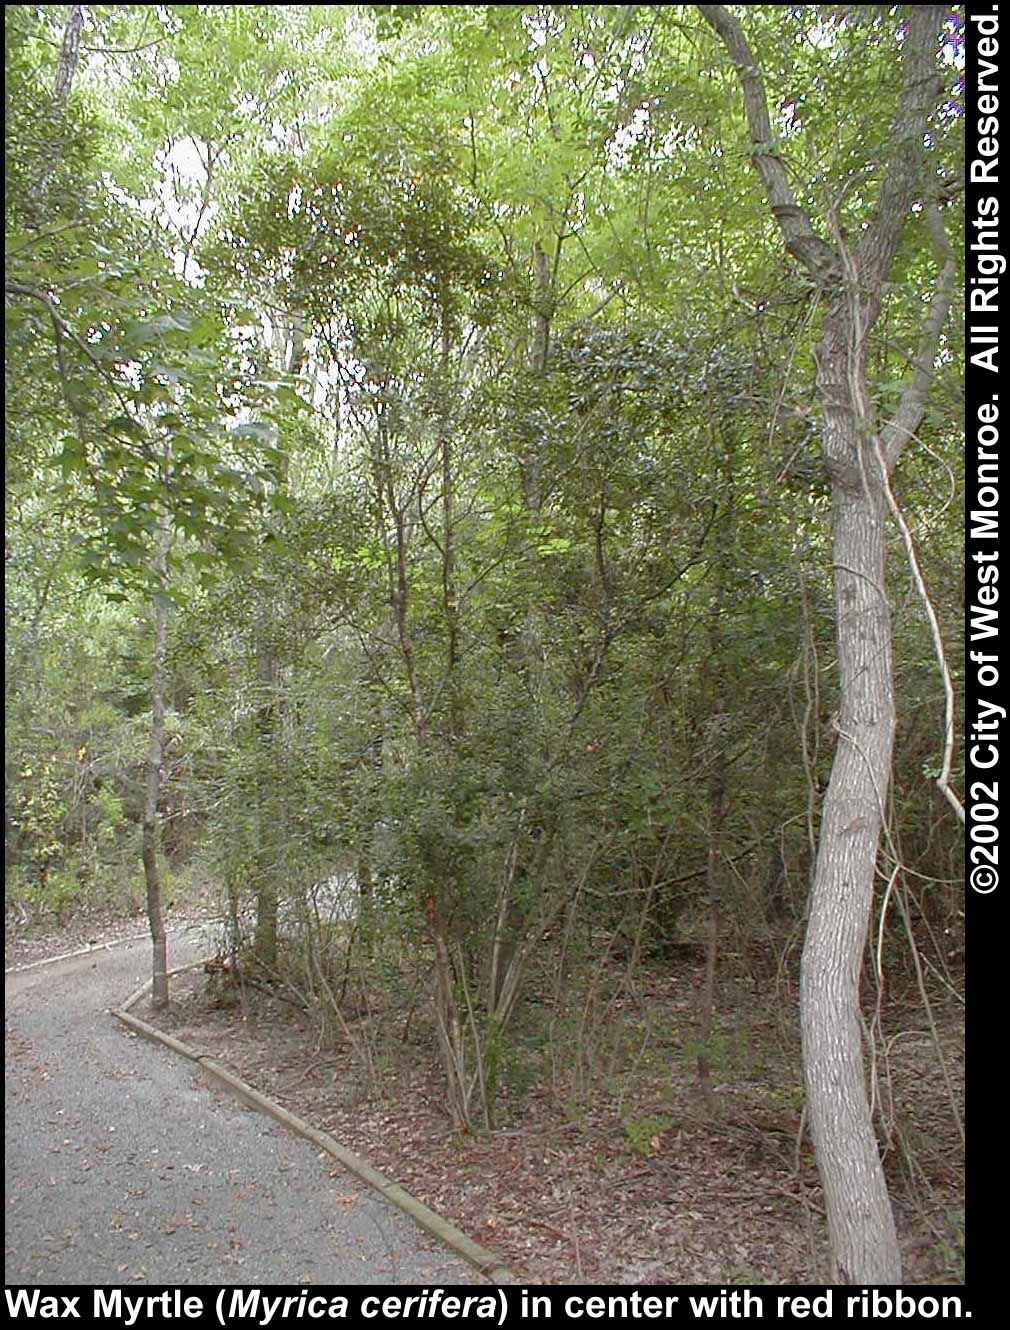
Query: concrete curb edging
[{"x": 485, "y": 1262}]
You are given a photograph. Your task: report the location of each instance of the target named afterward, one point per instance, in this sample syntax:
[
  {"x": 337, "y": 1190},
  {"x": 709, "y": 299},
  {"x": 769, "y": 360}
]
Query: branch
[
  {"x": 801, "y": 240},
  {"x": 66, "y": 66},
  {"x": 62, "y": 329},
  {"x": 59, "y": 331},
  {"x": 888, "y": 445},
  {"x": 920, "y": 89},
  {"x": 951, "y": 186},
  {"x": 912, "y": 405},
  {"x": 123, "y": 50},
  {"x": 39, "y": 237}
]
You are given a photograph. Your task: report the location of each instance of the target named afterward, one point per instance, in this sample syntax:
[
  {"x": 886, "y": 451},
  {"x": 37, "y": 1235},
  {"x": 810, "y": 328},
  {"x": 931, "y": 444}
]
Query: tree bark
[
  {"x": 66, "y": 67},
  {"x": 863, "y": 1239}
]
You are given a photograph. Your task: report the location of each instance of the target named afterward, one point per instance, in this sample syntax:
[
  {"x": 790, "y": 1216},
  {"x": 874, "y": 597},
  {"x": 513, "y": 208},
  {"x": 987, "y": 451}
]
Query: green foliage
[
  {"x": 745, "y": 1275},
  {"x": 38, "y": 817},
  {"x": 643, "y": 1136},
  {"x": 950, "y": 1247}
]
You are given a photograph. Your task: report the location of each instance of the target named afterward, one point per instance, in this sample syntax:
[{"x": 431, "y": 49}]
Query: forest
[{"x": 485, "y": 527}]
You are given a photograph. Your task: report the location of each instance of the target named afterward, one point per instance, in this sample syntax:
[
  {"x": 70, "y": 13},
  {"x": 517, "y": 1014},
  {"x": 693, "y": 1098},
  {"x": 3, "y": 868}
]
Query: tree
[
  {"x": 137, "y": 429},
  {"x": 155, "y": 758},
  {"x": 860, "y": 453}
]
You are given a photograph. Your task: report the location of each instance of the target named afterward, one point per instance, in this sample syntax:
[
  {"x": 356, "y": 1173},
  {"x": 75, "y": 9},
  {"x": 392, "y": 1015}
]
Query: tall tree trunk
[
  {"x": 266, "y": 884},
  {"x": 155, "y": 756},
  {"x": 290, "y": 351},
  {"x": 543, "y": 296},
  {"x": 448, "y": 1017},
  {"x": 450, "y": 600},
  {"x": 864, "y": 1243}
]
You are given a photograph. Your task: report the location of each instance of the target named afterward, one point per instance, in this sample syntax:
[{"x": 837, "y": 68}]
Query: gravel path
[{"x": 122, "y": 1166}]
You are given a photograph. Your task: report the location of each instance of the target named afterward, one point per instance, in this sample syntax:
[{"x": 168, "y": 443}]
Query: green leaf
[{"x": 123, "y": 424}]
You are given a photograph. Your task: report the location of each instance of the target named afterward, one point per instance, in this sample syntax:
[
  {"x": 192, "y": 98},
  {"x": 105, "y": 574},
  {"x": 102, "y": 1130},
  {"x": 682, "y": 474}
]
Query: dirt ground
[
  {"x": 26, "y": 944},
  {"x": 635, "y": 1180}
]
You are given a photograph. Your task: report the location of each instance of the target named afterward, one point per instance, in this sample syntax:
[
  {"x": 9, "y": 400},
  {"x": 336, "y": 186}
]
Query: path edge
[
  {"x": 93, "y": 947},
  {"x": 485, "y": 1262}
]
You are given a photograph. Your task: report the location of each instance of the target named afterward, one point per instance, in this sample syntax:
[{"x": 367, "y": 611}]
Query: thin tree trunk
[
  {"x": 66, "y": 69},
  {"x": 266, "y": 886},
  {"x": 450, "y": 1029},
  {"x": 450, "y": 603},
  {"x": 543, "y": 294},
  {"x": 66, "y": 66},
  {"x": 268, "y": 673},
  {"x": 155, "y": 755},
  {"x": 716, "y": 813}
]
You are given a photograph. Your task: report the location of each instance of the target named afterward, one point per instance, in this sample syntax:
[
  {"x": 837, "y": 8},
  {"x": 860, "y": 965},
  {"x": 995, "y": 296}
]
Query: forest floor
[
  {"x": 615, "y": 1169},
  {"x": 27, "y": 943}
]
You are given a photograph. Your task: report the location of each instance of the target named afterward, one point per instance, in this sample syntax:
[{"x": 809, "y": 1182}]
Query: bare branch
[{"x": 123, "y": 50}]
